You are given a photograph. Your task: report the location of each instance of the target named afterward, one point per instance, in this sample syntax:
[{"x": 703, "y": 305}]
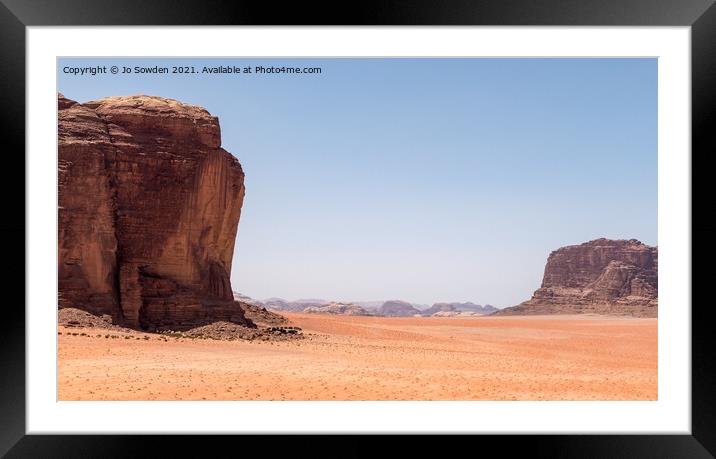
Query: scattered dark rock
[
  {"x": 228, "y": 331},
  {"x": 76, "y": 318}
]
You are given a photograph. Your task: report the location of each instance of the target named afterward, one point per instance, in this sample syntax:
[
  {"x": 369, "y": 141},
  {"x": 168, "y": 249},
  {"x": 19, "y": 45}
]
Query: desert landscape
[
  {"x": 149, "y": 209},
  {"x": 567, "y": 357}
]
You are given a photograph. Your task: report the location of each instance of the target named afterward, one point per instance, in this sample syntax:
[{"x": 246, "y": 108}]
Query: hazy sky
[{"x": 421, "y": 179}]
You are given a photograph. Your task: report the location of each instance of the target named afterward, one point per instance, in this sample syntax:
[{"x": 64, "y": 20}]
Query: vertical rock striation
[
  {"x": 601, "y": 276},
  {"x": 149, "y": 207}
]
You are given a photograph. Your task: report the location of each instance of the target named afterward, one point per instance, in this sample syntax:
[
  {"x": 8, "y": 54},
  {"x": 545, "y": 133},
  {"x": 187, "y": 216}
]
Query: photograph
[
  {"x": 357, "y": 228},
  {"x": 425, "y": 221}
]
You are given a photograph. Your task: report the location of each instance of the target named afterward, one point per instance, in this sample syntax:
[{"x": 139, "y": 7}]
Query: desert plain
[{"x": 564, "y": 357}]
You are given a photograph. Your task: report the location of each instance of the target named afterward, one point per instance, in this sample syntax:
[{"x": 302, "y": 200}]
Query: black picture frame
[{"x": 16, "y": 15}]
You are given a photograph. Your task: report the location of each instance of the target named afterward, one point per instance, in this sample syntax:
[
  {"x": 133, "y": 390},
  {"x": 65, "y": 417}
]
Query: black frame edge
[
  {"x": 537, "y": 446},
  {"x": 703, "y": 118},
  {"x": 12, "y": 229},
  {"x": 700, "y": 14},
  {"x": 366, "y": 12}
]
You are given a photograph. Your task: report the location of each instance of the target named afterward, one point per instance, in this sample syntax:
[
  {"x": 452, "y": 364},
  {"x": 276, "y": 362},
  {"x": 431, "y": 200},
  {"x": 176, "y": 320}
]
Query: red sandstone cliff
[
  {"x": 149, "y": 206},
  {"x": 602, "y": 276}
]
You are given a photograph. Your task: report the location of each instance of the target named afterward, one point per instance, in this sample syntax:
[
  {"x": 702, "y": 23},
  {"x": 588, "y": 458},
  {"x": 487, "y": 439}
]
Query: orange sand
[{"x": 375, "y": 358}]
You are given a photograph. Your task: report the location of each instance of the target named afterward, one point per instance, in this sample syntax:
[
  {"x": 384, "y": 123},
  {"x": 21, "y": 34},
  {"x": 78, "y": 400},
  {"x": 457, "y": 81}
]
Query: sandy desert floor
[{"x": 374, "y": 358}]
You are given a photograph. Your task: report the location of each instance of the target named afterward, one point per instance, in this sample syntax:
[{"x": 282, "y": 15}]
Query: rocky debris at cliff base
[
  {"x": 261, "y": 316},
  {"x": 227, "y": 331},
  {"x": 77, "y": 318}
]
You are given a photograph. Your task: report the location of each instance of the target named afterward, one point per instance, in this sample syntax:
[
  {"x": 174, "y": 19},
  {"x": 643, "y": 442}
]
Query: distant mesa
[
  {"x": 604, "y": 276},
  {"x": 308, "y": 303},
  {"x": 458, "y": 309},
  {"x": 279, "y": 304},
  {"x": 438, "y": 307},
  {"x": 369, "y": 305},
  {"x": 397, "y": 308},
  {"x": 312, "y": 301},
  {"x": 346, "y": 309}
]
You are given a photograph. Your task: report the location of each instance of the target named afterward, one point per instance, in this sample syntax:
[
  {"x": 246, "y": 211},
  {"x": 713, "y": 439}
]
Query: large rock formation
[
  {"x": 149, "y": 206},
  {"x": 601, "y": 276}
]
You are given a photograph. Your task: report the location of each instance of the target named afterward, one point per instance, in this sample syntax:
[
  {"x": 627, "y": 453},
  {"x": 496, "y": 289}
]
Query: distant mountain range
[
  {"x": 344, "y": 309},
  {"x": 460, "y": 307},
  {"x": 375, "y": 305},
  {"x": 391, "y": 308},
  {"x": 279, "y": 304}
]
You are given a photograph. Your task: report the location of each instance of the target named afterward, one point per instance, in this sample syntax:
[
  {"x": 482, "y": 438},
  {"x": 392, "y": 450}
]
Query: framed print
[{"x": 243, "y": 221}]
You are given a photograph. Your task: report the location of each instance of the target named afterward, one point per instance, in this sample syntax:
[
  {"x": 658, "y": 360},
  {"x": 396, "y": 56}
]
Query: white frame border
[{"x": 670, "y": 414}]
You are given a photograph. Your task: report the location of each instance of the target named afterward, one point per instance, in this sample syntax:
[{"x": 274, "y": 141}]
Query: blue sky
[{"x": 420, "y": 179}]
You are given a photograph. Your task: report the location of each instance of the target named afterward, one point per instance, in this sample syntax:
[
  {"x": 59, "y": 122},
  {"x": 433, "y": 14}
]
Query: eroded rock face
[
  {"x": 149, "y": 206},
  {"x": 601, "y": 276}
]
